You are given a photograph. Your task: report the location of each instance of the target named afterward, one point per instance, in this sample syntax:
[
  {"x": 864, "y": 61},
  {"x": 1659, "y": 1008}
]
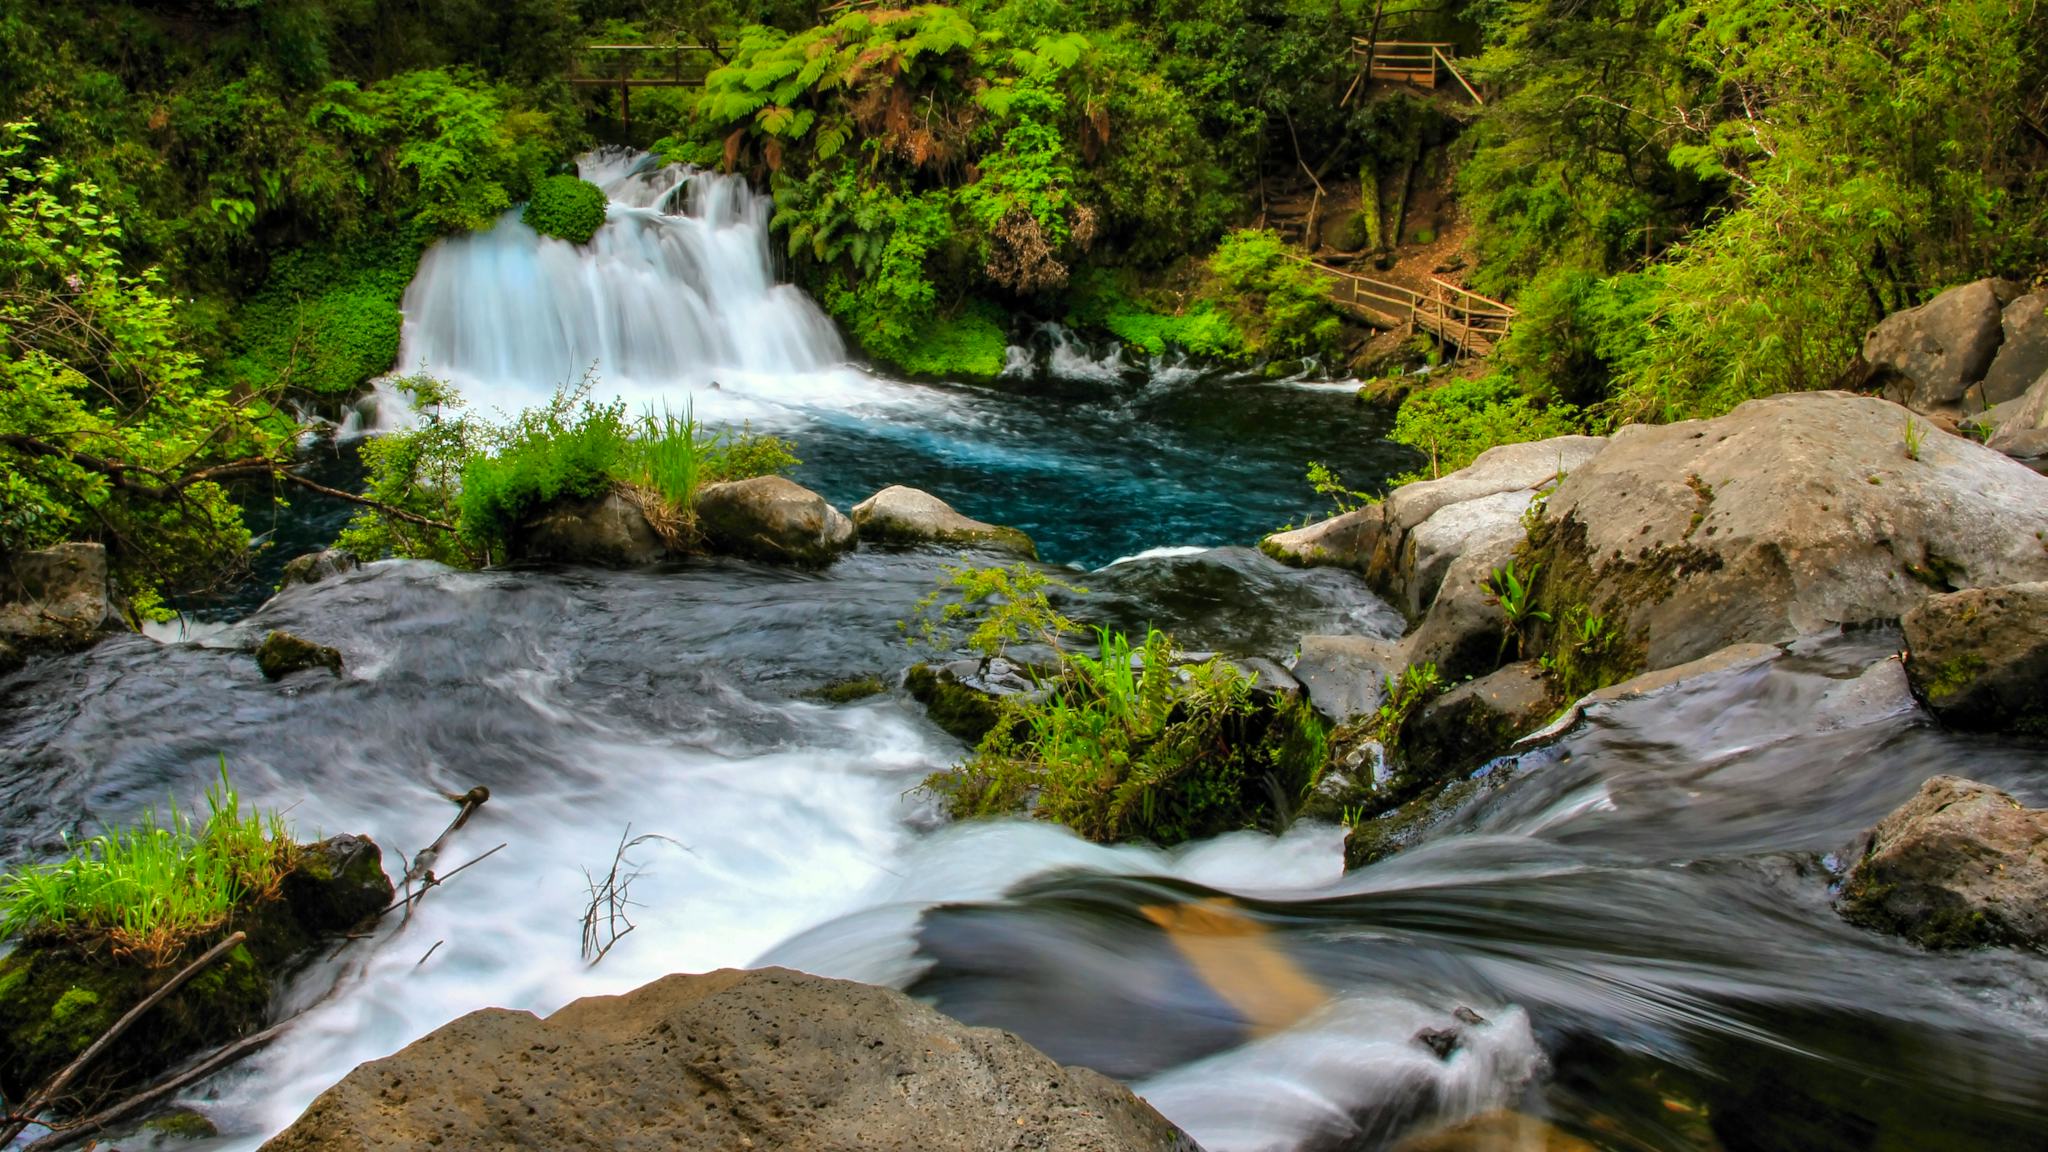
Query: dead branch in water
[
  {"x": 107, "y": 1117},
  {"x": 605, "y": 921}
]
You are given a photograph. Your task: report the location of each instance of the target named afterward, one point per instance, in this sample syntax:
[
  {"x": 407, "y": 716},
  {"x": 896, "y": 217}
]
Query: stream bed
[{"x": 1631, "y": 937}]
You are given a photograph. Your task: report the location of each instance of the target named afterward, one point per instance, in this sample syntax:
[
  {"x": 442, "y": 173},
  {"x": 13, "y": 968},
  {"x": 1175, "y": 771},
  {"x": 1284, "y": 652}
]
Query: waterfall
[{"x": 675, "y": 294}]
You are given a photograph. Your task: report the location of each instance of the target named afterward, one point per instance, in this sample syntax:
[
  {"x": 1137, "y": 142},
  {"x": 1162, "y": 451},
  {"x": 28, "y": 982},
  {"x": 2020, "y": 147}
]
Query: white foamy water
[{"x": 675, "y": 300}]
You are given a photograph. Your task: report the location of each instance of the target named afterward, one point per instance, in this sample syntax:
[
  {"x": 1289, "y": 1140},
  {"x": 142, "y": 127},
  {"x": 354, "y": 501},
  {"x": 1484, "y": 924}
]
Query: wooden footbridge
[
  {"x": 629, "y": 66},
  {"x": 1417, "y": 63},
  {"x": 1471, "y": 324}
]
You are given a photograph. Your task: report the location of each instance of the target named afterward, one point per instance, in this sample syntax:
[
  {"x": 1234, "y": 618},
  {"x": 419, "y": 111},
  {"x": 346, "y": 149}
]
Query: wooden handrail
[{"x": 1445, "y": 60}]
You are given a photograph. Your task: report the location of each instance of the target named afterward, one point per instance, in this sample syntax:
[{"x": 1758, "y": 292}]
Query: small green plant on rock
[
  {"x": 1576, "y": 667},
  {"x": 1914, "y": 432},
  {"x": 1328, "y": 484},
  {"x": 1005, "y": 606},
  {"x": 1405, "y": 695},
  {"x": 1513, "y": 593}
]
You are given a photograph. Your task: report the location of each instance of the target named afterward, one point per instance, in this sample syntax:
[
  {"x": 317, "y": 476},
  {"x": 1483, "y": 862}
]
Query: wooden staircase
[{"x": 1468, "y": 323}]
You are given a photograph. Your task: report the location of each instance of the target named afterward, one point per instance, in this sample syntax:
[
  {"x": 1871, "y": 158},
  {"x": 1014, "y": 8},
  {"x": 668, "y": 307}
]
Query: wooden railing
[
  {"x": 1470, "y": 323},
  {"x": 1418, "y": 62},
  {"x": 641, "y": 65}
]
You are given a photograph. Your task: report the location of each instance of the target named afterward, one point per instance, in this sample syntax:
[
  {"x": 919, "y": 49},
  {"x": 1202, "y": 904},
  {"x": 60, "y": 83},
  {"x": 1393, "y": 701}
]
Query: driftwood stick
[
  {"x": 423, "y": 864},
  {"x": 62, "y": 1080},
  {"x": 99, "y": 1121},
  {"x": 433, "y": 881}
]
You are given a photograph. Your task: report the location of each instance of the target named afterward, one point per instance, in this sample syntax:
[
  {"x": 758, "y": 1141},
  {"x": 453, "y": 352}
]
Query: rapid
[{"x": 1636, "y": 917}]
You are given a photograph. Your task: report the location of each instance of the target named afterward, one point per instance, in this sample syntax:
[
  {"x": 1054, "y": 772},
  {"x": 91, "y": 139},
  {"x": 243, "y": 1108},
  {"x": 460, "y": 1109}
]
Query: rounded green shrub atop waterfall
[{"x": 565, "y": 207}]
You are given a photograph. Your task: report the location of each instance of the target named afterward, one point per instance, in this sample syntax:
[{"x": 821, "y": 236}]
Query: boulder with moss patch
[
  {"x": 774, "y": 519},
  {"x": 281, "y": 654},
  {"x": 1790, "y": 516},
  {"x": 900, "y": 515},
  {"x": 313, "y": 567},
  {"x": 963, "y": 697},
  {"x": 1979, "y": 657},
  {"x": 1959, "y": 865},
  {"x": 609, "y": 531},
  {"x": 58, "y": 993}
]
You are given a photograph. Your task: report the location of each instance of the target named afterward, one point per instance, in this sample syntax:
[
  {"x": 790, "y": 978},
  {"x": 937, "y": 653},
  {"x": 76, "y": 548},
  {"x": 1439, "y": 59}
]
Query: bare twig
[
  {"x": 605, "y": 920},
  {"x": 423, "y": 864},
  {"x": 430, "y": 952},
  {"x": 49, "y": 1092},
  {"x": 433, "y": 881}
]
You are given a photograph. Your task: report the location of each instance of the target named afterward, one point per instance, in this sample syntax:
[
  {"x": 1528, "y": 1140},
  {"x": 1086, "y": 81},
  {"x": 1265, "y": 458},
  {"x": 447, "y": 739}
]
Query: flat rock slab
[{"x": 768, "y": 1059}]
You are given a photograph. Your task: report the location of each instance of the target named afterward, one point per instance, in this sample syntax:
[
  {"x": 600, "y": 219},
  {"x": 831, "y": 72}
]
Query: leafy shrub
[
  {"x": 149, "y": 889},
  {"x": 326, "y": 322},
  {"x": 1282, "y": 304},
  {"x": 1456, "y": 421},
  {"x": 1131, "y": 742},
  {"x": 565, "y": 207}
]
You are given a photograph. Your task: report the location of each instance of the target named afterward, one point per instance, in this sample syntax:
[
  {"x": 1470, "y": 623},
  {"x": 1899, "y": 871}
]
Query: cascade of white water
[{"x": 676, "y": 293}]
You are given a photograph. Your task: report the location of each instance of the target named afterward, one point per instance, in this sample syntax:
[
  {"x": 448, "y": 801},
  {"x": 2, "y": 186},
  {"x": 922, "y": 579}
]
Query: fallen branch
[
  {"x": 609, "y": 899},
  {"x": 49, "y": 1092},
  {"x": 390, "y": 510},
  {"x": 423, "y": 864},
  {"x": 432, "y": 881},
  {"x": 105, "y": 1118}
]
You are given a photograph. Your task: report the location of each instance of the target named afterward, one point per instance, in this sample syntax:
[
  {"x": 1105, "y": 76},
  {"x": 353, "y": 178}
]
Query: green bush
[
  {"x": 1456, "y": 421},
  {"x": 1282, "y": 304},
  {"x": 326, "y": 322},
  {"x": 566, "y": 208},
  {"x": 149, "y": 889},
  {"x": 1125, "y": 743},
  {"x": 966, "y": 345}
]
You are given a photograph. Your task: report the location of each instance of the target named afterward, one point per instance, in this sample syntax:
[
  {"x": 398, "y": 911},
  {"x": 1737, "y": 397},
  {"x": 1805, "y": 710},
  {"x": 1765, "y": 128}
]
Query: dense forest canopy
[{"x": 212, "y": 206}]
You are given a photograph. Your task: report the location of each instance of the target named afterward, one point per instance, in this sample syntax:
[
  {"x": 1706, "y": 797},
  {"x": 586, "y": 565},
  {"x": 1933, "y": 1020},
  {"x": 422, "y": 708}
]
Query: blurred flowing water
[{"x": 1628, "y": 938}]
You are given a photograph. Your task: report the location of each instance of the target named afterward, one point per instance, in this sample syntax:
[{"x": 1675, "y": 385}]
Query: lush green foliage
[
  {"x": 1129, "y": 742},
  {"x": 1454, "y": 422},
  {"x": 109, "y": 429},
  {"x": 1698, "y": 203},
  {"x": 149, "y": 889},
  {"x": 324, "y": 322},
  {"x": 478, "y": 480},
  {"x": 566, "y": 208}
]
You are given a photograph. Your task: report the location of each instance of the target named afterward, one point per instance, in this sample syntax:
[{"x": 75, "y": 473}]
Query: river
[{"x": 1638, "y": 916}]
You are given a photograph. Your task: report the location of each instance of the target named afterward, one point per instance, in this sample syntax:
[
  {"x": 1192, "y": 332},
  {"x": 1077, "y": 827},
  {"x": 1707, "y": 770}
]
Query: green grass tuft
[{"x": 149, "y": 889}]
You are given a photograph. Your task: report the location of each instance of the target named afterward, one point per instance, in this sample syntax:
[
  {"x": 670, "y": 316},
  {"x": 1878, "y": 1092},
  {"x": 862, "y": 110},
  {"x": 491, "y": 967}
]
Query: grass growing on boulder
[
  {"x": 566, "y": 208},
  {"x": 485, "y": 478},
  {"x": 1131, "y": 741},
  {"x": 149, "y": 889}
]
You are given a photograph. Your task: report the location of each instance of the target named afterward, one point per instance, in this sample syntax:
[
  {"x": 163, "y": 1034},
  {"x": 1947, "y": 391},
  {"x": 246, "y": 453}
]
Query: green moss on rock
[
  {"x": 953, "y": 706},
  {"x": 849, "y": 689},
  {"x": 282, "y": 654}
]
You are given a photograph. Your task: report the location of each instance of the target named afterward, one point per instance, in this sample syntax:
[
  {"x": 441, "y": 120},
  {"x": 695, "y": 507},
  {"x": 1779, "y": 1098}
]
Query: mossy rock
[
  {"x": 848, "y": 689},
  {"x": 59, "y": 995},
  {"x": 565, "y": 207},
  {"x": 282, "y": 654},
  {"x": 953, "y": 706}
]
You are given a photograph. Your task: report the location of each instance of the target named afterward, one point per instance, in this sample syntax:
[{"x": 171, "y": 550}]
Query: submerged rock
[
  {"x": 54, "y": 600},
  {"x": 1927, "y": 358},
  {"x": 611, "y": 531},
  {"x": 58, "y": 994},
  {"x": 1959, "y": 865},
  {"x": 1789, "y": 516},
  {"x": 314, "y": 567},
  {"x": 1979, "y": 657},
  {"x": 773, "y": 519},
  {"x": 900, "y": 515},
  {"x": 770, "y": 1059},
  {"x": 282, "y": 654}
]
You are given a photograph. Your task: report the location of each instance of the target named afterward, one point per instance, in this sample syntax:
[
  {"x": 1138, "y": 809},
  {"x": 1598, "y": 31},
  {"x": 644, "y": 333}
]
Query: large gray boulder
[
  {"x": 769, "y": 1059},
  {"x": 313, "y": 567},
  {"x": 1407, "y": 544},
  {"x": 900, "y": 515},
  {"x": 1927, "y": 358},
  {"x": 2023, "y": 354},
  {"x": 55, "y": 599},
  {"x": 1789, "y": 516},
  {"x": 611, "y": 531},
  {"x": 1959, "y": 865},
  {"x": 774, "y": 519},
  {"x": 1345, "y": 676},
  {"x": 2019, "y": 428},
  {"x": 1979, "y": 657}
]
